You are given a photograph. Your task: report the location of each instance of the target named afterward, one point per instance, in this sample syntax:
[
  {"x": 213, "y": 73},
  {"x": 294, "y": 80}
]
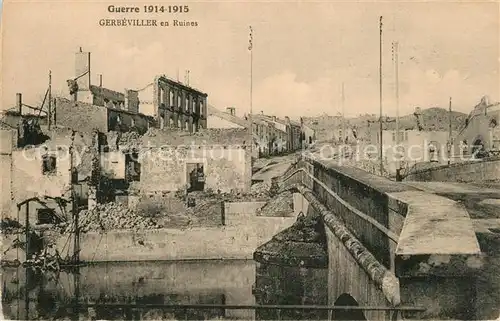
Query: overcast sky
[{"x": 302, "y": 53}]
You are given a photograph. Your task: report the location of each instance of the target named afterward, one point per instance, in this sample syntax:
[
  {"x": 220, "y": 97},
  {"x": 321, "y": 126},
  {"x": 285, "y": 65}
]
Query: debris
[
  {"x": 110, "y": 216},
  {"x": 261, "y": 189},
  {"x": 280, "y": 205},
  {"x": 9, "y": 224}
]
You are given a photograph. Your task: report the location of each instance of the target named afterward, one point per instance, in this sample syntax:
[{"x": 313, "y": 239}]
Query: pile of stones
[{"x": 110, "y": 216}]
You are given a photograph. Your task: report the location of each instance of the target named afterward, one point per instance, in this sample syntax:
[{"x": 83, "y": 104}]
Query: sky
[{"x": 302, "y": 53}]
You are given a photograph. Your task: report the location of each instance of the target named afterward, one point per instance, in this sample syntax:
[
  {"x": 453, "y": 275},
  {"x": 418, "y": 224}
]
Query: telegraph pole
[
  {"x": 250, "y": 129},
  {"x": 49, "y": 113},
  {"x": 449, "y": 134},
  {"x": 344, "y": 134},
  {"x": 380, "y": 96},
  {"x": 395, "y": 46}
]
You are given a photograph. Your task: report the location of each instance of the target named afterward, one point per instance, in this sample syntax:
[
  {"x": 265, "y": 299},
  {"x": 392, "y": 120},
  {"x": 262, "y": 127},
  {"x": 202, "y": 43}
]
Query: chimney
[
  {"x": 82, "y": 70},
  {"x": 274, "y": 118},
  {"x": 100, "y": 80},
  {"x": 287, "y": 119},
  {"x": 231, "y": 110},
  {"x": 19, "y": 103}
]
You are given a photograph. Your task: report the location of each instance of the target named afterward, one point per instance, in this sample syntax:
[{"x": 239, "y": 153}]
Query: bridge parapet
[{"x": 425, "y": 240}]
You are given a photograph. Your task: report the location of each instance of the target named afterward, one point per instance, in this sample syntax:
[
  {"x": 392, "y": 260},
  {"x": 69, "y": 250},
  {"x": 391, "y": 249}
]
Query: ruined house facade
[
  {"x": 179, "y": 106},
  {"x": 482, "y": 128},
  {"x": 169, "y": 103}
]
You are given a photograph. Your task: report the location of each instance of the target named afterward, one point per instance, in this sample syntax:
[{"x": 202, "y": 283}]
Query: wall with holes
[
  {"x": 124, "y": 121},
  {"x": 225, "y": 168}
]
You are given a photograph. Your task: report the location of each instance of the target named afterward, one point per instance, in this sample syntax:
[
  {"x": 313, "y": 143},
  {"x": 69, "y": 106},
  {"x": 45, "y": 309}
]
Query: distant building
[
  {"x": 308, "y": 134},
  {"x": 413, "y": 147},
  {"x": 286, "y": 135},
  {"x": 481, "y": 129}
]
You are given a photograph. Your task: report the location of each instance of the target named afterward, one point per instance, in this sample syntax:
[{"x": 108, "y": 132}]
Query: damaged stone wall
[
  {"x": 121, "y": 120},
  {"x": 86, "y": 116},
  {"x": 29, "y": 180},
  {"x": 166, "y": 170}
]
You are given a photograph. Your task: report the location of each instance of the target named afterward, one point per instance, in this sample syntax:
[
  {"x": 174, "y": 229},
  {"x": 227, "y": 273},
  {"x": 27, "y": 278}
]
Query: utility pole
[
  {"x": 449, "y": 134},
  {"x": 395, "y": 48},
  {"x": 344, "y": 134},
  {"x": 380, "y": 97},
  {"x": 250, "y": 128},
  {"x": 74, "y": 207},
  {"x": 49, "y": 113}
]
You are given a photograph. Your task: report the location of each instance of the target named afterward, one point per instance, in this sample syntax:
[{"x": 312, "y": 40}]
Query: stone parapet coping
[{"x": 434, "y": 225}]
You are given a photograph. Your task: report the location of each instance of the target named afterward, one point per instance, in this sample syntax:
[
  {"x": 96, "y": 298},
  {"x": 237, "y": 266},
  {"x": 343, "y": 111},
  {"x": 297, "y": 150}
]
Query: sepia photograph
[{"x": 250, "y": 160}]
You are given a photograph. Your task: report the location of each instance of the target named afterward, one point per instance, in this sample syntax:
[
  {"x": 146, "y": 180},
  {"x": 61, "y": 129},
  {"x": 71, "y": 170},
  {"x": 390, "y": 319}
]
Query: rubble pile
[
  {"x": 260, "y": 189},
  {"x": 280, "y": 205},
  {"x": 9, "y": 225},
  {"x": 110, "y": 216}
]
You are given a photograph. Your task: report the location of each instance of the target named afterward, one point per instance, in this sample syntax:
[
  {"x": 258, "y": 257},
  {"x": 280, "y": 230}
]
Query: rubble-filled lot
[
  {"x": 170, "y": 211},
  {"x": 110, "y": 216}
]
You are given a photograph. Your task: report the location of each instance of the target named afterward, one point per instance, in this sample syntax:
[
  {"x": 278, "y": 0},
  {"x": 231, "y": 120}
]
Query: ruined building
[{"x": 166, "y": 103}]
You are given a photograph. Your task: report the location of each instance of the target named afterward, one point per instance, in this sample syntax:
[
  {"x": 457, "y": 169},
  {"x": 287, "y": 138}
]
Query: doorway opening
[{"x": 195, "y": 177}]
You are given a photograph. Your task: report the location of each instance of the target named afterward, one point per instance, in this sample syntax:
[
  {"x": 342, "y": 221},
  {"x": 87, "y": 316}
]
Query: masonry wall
[
  {"x": 479, "y": 128},
  {"x": 28, "y": 179},
  {"x": 346, "y": 276},
  {"x": 128, "y": 121},
  {"x": 367, "y": 193},
  {"x": 146, "y": 101},
  {"x": 86, "y": 117},
  {"x": 230, "y": 242},
  {"x": 107, "y": 98},
  {"x": 460, "y": 172},
  {"x": 166, "y": 170},
  {"x": 443, "y": 283}
]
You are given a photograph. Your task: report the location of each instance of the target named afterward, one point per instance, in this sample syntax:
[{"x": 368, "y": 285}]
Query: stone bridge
[{"x": 396, "y": 244}]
